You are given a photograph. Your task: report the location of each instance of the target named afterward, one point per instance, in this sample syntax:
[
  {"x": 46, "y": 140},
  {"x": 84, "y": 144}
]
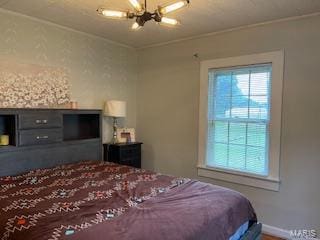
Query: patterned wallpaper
[{"x": 98, "y": 69}]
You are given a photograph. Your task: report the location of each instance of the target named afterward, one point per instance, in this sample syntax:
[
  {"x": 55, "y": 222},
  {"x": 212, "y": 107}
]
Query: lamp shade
[{"x": 115, "y": 108}]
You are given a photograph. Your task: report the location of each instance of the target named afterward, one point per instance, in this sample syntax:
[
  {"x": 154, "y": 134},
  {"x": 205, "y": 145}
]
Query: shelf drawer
[
  {"x": 40, "y": 120},
  {"x": 40, "y": 136}
]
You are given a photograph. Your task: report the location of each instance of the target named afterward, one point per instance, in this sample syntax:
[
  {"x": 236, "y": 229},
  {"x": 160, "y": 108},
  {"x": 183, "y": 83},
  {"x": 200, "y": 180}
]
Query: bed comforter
[{"x": 99, "y": 200}]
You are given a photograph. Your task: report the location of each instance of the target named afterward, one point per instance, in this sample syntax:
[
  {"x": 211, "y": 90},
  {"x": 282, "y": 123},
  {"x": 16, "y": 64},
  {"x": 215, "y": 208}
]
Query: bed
[{"x": 100, "y": 200}]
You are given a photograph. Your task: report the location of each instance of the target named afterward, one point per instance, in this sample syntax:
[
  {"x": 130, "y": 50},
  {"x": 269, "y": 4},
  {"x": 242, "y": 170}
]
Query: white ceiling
[{"x": 202, "y": 16}]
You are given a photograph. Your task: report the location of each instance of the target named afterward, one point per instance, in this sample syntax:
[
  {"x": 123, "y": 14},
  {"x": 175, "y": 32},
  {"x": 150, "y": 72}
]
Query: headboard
[{"x": 43, "y": 138}]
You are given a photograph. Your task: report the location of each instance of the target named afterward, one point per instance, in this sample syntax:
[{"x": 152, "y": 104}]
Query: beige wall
[
  {"x": 99, "y": 69},
  {"x": 167, "y": 114}
]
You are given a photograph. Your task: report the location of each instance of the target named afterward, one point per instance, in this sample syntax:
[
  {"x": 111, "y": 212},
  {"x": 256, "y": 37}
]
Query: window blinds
[{"x": 238, "y": 118}]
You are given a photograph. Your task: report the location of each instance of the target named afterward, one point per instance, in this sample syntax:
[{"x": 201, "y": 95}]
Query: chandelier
[{"x": 142, "y": 15}]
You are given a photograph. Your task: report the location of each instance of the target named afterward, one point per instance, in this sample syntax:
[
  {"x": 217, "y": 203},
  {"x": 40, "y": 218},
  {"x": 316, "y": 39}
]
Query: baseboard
[
  {"x": 274, "y": 231},
  {"x": 278, "y": 232}
]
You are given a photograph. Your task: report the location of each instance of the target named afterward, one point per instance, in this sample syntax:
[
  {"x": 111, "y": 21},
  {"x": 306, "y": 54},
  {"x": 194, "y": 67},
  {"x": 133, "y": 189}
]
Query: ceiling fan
[{"x": 142, "y": 15}]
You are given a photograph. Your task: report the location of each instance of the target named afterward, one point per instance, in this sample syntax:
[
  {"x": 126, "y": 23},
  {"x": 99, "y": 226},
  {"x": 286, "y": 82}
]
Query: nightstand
[{"x": 123, "y": 153}]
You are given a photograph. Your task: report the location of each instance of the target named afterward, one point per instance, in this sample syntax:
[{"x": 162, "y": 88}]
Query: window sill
[{"x": 239, "y": 178}]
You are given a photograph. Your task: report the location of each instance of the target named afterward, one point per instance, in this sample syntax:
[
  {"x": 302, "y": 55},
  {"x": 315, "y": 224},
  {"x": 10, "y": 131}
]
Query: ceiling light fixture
[{"x": 142, "y": 15}]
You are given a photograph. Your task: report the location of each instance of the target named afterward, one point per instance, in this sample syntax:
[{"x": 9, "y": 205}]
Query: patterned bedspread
[{"x": 98, "y": 200}]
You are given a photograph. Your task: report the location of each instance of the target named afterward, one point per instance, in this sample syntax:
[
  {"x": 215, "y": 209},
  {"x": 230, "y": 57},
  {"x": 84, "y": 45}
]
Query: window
[{"x": 240, "y": 119}]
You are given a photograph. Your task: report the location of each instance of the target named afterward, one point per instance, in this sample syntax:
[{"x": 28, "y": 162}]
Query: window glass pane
[
  {"x": 240, "y": 82},
  {"x": 221, "y": 95},
  {"x": 222, "y": 107},
  {"x": 237, "y": 133},
  {"x": 240, "y": 94},
  {"x": 239, "y": 107},
  {"x": 256, "y": 160},
  {"x": 211, "y": 101},
  {"x": 221, "y": 132},
  {"x": 259, "y": 92},
  {"x": 222, "y": 84},
  {"x": 220, "y": 155},
  {"x": 210, "y": 132},
  {"x": 237, "y": 155},
  {"x": 256, "y": 135},
  {"x": 210, "y": 153},
  {"x": 259, "y": 107},
  {"x": 259, "y": 82}
]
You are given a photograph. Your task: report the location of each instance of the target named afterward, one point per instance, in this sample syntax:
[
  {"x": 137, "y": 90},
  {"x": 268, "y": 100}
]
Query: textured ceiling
[{"x": 202, "y": 16}]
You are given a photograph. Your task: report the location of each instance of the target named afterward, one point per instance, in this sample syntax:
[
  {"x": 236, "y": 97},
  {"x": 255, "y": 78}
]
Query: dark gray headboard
[{"x": 44, "y": 138}]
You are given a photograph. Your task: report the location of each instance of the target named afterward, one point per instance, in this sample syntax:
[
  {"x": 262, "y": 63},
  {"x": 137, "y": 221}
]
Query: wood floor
[{"x": 268, "y": 237}]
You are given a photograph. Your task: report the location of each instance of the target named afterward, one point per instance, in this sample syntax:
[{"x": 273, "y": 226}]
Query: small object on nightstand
[{"x": 123, "y": 153}]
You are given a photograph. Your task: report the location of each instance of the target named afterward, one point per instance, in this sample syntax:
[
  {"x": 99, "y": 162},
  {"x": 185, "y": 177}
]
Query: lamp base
[{"x": 114, "y": 138}]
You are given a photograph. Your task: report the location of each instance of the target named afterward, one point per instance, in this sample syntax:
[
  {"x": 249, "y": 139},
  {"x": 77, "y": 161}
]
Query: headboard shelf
[
  {"x": 8, "y": 127},
  {"x": 80, "y": 126},
  {"x": 41, "y": 138}
]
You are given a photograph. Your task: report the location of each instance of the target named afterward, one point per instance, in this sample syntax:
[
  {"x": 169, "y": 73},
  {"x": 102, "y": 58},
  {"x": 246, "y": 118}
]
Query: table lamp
[{"x": 115, "y": 109}]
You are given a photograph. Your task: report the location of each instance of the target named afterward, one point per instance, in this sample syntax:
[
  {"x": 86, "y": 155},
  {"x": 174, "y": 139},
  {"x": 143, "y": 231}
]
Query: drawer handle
[
  {"x": 41, "y": 121},
  {"x": 42, "y": 137}
]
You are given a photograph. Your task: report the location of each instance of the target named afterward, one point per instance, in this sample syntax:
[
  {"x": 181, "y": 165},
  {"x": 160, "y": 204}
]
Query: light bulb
[
  {"x": 137, "y": 6},
  {"x": 169, "y": 21},
  {"x": 173, "y": 7},
  {"x": 113, "y": 14},
  {"x": 135, "y": 26}
]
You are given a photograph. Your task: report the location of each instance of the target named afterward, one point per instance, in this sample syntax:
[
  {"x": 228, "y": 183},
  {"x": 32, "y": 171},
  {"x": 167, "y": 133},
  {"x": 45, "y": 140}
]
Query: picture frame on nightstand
[{"x": 126, "y": 135}]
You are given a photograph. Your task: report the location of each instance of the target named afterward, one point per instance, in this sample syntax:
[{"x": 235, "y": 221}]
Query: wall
[
  {"x": 167, "y": 114},
  {"x": 168, "y": 95},
  {"x": 98, "y": 69}
]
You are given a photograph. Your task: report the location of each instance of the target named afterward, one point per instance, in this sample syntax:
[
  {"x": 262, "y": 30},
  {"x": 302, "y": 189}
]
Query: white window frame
[{"x": 272, "y": 181}]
